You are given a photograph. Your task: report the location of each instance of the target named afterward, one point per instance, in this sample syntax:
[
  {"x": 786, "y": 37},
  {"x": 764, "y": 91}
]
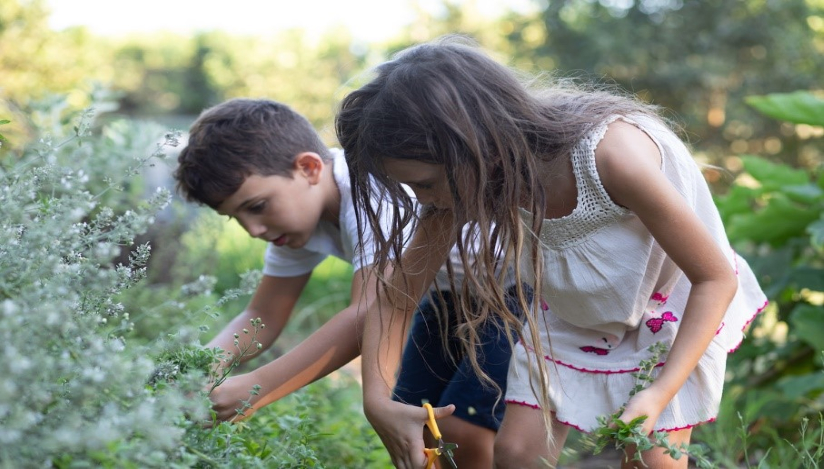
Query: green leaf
[
  {"x": 739, "y": 199},
  {"x": 816, "y": 232},
  {"x": 773, "y": 175},
  {"x": 808, "y": 277},
  {"x": 805, "y": 194},
  {"x": 799, "y": 107},
  {"x": 779, "y": 221},
  {"x": 772, "y": 269},
  {"x": 4, "y": 121},
  {"x": 808, "y": 324},
  {"x": 799, "y": 386}
]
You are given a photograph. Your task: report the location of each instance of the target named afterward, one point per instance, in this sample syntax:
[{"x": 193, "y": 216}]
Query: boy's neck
[{"x": 331, "y": 197}]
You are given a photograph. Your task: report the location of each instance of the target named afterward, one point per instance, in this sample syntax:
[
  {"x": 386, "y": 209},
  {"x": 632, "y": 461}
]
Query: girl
[{"x": 601, "y": 211}]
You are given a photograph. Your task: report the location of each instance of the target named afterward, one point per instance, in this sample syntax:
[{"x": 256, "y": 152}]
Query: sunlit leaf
[
  {"x": 773, "y": 175},
  {"x": 780, "y": 220},
  {"x": 799, "y": 107}
]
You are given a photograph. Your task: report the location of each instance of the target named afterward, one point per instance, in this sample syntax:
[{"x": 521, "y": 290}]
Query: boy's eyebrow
[
  {"x": 246, "y": 202},
  {"x": 236, "y": 209}
]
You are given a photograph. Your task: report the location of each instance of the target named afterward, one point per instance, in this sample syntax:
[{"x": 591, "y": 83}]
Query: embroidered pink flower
[
  {"x": 544, "y": 305},
  {"x": 659, "y": 297},
  {"x": 595, "y": 350},
  {"x": 655, "y": 324}
]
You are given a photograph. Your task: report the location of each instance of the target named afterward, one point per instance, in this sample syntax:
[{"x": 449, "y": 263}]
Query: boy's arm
[
  {"x": 333, "y": 345},
  {"x": 387, "y": 320},
  {"x": 272, "y": 302}
]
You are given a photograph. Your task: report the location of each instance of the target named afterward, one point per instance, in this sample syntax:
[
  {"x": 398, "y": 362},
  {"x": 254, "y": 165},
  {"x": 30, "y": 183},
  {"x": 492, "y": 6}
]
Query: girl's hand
[
  {"x": 400, "y": 427},
  {"x": 647, "y": 402},
  {"x": 227, "y": 397}
]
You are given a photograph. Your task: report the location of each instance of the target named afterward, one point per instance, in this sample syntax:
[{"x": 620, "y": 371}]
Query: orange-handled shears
[{"x": 443, "y": 449}]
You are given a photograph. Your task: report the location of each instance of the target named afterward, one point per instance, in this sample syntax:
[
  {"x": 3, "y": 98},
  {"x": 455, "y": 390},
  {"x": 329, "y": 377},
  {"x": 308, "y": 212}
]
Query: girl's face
[{"x": 427, "y": 180}]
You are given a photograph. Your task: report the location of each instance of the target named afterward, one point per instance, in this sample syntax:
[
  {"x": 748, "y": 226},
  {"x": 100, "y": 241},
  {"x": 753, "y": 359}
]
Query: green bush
[
  {"x": 85, "y": 384},
  {"x": 775, "y": 216}
]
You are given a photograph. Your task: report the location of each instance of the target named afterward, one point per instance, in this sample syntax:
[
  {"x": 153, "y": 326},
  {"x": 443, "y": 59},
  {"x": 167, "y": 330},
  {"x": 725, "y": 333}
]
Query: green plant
[
  {"x": 614, "y": 431},
  {"x": 81, "y": 387},
  {"x": 775, "y": 216}
]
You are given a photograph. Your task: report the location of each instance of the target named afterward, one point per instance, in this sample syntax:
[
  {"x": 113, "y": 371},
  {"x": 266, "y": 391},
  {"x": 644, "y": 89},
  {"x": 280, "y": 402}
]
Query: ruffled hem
[
  {"x": 744, "y": 327},
  {"x": 572, "y": 425}
]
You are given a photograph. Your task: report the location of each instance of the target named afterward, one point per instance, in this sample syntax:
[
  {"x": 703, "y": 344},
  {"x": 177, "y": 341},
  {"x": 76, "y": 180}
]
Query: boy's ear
[{"x": 310, "y": 166}]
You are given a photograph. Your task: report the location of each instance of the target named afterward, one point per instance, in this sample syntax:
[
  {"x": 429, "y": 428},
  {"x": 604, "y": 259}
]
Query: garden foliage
[
  {"x": 775, "y": 216},
  {"x": 80, "y": 387}
]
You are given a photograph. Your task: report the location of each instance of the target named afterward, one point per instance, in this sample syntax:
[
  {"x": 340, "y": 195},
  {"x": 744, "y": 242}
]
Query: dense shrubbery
[
  {"x": 775, "y": 216},
  {"x": 81, "y": 388}
]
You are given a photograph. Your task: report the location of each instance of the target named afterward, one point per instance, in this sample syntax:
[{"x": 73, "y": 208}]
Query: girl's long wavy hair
[{"x": 499, "y": 137}]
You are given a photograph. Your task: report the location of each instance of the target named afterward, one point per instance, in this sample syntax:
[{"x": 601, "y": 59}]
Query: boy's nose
[{"x": 256, "y": 230}]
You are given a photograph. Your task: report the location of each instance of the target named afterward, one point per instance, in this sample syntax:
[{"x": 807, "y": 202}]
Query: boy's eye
[{"x": 257, "y": 208}]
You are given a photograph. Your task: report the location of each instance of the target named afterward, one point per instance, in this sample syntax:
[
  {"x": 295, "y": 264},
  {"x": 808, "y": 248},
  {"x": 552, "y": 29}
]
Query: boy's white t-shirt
[
  {"x": 328, "y": 239},
  {"x": 342, "y": 241}
]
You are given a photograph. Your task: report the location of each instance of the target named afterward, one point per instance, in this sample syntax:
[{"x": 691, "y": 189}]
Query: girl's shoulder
[{"x": 625, "y": 157}]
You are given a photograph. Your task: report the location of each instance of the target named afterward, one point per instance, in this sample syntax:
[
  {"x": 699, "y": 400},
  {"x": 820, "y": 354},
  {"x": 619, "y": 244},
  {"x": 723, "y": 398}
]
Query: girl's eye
[
  {"x": 257, "y": 208},
  {"x": 422, "y": 186}
]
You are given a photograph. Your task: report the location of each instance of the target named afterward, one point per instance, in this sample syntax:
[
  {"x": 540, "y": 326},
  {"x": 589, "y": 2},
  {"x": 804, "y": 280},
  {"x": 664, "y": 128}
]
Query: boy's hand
[
  {"x": 229, "y": 396},
  {"x": 400, "y": 427}
]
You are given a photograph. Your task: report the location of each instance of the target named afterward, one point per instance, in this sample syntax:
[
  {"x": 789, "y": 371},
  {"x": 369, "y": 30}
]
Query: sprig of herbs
[{"x": 614, "y": 431}]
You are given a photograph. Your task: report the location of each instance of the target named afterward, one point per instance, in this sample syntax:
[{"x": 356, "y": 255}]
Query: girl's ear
[{"x": 310, "y": 166}]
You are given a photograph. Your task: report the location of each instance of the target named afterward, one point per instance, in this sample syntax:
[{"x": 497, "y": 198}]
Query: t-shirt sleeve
[
  {"x": 364, "y": 252},
  {"x": 279, "y": 261}
]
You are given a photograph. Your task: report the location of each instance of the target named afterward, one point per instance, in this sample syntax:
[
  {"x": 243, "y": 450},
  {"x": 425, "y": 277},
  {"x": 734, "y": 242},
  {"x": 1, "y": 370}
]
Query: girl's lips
[{"x": 280, "y": 241}]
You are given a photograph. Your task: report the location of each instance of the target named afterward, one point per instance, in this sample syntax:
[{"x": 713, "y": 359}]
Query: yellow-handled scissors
[{"x": 443, "y": 449}]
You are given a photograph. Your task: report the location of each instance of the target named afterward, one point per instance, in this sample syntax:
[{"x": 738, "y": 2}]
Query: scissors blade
[{"x": 447, "y": 454}]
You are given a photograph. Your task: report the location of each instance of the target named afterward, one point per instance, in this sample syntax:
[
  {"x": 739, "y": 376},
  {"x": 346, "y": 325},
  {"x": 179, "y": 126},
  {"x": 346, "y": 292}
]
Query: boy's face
[{"x": 281, "y": 210}]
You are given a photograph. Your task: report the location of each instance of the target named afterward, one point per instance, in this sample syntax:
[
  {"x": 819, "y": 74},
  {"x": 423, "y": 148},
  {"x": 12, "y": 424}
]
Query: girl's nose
[{"x": 424, "y": 197}]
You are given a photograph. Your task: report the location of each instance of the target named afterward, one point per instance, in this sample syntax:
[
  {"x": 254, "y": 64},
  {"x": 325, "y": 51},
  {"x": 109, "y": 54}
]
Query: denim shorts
[{"x": 442, "y": 376}]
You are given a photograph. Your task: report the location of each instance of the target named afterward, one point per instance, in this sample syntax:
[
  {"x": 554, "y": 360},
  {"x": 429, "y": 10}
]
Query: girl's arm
[
  {"x": 400, "y": 426},
  {"x": 629, "y": 165}
]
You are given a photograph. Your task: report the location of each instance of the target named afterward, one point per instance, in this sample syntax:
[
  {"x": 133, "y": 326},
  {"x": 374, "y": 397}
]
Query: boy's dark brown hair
[{"x": 238, "y": 138}]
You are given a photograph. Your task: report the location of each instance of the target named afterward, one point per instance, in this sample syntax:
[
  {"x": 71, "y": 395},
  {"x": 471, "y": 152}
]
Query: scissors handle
[
  {"x": 431, "y": 423},
  {"x": 431, "y": 455}
]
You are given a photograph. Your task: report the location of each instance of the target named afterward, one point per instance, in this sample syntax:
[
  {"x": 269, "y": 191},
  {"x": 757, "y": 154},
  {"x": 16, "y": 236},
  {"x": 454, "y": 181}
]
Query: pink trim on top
[
  {"x": 735, "y": 260},
  {"x": 580, "y": 429}
]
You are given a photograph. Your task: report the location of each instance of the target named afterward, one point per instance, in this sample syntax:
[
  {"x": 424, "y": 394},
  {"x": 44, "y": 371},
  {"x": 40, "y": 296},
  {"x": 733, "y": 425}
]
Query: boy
[{"x": 261, "y": 163}]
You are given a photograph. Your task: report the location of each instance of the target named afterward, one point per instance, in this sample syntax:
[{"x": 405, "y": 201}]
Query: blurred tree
[
  {"x": 36, "y": 62},
  {"x": 698, "y": 58}
]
